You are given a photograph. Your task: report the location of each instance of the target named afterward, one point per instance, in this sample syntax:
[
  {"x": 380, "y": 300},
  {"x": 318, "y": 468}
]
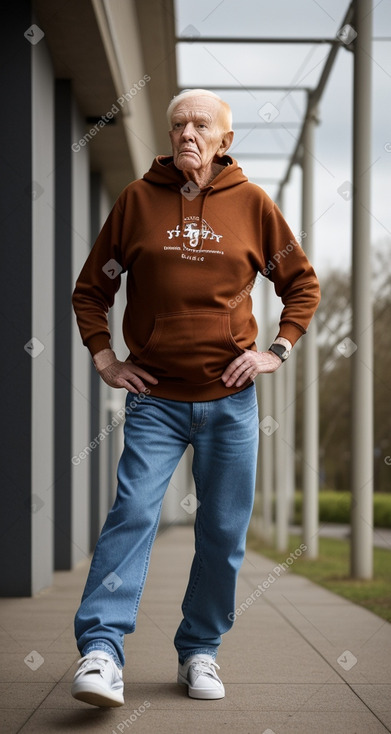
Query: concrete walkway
[{"x": 279, "y": 663}]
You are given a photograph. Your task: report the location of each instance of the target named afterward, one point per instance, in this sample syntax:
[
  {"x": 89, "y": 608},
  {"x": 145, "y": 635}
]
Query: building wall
[
  {"x": 42, "y": 386},
  {"x": 52, "y": 507},
  {"x": 26, "y": 290}
]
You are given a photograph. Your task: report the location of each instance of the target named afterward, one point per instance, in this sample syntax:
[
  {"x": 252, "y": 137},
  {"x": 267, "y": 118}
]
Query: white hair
[{"x": 227, "y": 114}]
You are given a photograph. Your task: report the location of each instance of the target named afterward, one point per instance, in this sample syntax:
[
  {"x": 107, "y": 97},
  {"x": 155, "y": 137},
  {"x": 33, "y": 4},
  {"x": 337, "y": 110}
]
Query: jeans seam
[{"x": 145, "y": 570}]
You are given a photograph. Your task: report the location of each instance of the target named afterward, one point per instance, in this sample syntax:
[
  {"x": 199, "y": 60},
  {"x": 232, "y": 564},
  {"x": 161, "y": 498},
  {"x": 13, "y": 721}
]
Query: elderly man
[{"x": 191, "y": 236}]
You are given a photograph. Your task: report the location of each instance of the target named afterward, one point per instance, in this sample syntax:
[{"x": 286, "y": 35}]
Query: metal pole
[
  {"x": 265, "y": 384},
  {"x": 310, "y": 361},
  {"x": 290, "y": 419},
  {"x": 289, "y": 416},
  {"x": 280, "y": 461},
  {"x": 362, "y": 334},
  {"x": 279, "y": 457}
]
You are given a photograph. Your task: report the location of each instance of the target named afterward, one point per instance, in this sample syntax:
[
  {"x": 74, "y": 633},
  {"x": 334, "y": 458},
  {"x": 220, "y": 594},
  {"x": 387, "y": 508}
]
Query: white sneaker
[
  {"x": 98, "y": 680},
  {"x": 199, "y": 673}
]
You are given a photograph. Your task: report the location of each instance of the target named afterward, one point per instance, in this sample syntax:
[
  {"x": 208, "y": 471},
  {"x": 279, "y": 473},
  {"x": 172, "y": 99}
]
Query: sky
[{"x": 298, "y": 65}]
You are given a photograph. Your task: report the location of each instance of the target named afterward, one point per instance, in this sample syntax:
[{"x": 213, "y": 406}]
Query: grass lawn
[{"x": 331, "y": 570}]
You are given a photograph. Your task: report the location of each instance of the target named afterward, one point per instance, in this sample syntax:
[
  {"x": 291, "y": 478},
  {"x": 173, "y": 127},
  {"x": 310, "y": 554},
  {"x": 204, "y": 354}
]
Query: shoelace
[
  {"x": 206, "y": 667},
  {"x": 96, "y": 663}
]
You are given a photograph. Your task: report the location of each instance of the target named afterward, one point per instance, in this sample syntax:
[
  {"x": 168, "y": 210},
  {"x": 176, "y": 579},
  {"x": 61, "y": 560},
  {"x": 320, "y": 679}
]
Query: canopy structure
[{"x": 274, "y": 120}]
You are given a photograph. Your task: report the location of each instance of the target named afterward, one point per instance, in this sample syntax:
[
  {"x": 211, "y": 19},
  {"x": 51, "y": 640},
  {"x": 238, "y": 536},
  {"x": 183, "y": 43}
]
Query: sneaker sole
[
  {"x": 200, "y": 693},
  {"x": 96, "y": 696}
]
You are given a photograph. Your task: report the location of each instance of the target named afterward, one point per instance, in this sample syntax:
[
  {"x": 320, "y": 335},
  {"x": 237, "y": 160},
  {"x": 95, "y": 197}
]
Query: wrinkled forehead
[{"x": 199, "y": 106}]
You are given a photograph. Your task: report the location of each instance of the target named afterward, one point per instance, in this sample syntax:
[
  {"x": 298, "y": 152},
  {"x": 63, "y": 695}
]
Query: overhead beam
[
  {"x": 263, "y": 156},
  {"x": 254, "y": 39},
  {"x": 252, "y": 88},
  {"x": 315, "y": 95},
  {"x": 265, "y": 125},
  {"x": 265, "y": 180}
]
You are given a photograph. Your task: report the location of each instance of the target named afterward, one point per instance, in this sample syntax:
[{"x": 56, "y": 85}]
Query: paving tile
[
  {"x": 86, "y": 719},
  {"x": 24, "y": 694},
  {"x": 279, "y": 662},
  {"x": 375, "y": 696},
  {"x": 317, "y": 723},
  {"x": 217, "y": 719},
  {"x": 12, "y": 719},
  {"x": 53, "y": 667},
  {"x": 385, "y": 718},
  {"x": 285, "y": 592},
  {"x": 169, "y": 695}
]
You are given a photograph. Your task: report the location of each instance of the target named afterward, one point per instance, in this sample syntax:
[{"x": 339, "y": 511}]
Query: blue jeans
[{"x": 224, "y": 434}]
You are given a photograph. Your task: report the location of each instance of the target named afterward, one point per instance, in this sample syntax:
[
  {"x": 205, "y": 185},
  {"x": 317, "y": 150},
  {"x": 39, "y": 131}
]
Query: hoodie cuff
[
  {"x": 291, "y": 332},
  {"x": 98, "y": 342}
]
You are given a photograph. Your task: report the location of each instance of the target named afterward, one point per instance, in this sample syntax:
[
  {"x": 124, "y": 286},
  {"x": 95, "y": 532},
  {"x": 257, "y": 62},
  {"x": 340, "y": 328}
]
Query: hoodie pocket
[{"x": 193, "y": 346}]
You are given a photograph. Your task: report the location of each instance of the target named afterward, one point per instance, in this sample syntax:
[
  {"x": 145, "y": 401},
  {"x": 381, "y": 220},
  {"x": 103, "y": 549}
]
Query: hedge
[{"x": 335, "y": 507}]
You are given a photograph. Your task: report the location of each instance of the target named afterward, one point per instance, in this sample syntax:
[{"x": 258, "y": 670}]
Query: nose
[{"x": 188, "y": 132}]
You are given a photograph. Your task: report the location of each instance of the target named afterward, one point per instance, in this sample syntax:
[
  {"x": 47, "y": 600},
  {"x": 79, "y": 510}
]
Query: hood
[{"x": 163, "y": 172}]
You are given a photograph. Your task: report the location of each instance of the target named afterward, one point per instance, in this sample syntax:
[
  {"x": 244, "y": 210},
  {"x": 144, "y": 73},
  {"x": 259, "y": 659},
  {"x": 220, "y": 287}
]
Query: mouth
[{"x": 188, "y": 150}]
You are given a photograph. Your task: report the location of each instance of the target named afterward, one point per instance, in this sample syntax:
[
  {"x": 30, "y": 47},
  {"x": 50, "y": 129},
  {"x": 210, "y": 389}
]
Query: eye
[{"x": 176, "y": 125}]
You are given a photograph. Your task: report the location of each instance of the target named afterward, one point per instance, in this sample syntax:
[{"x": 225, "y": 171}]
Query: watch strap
[{"x": 281, "y": 351}]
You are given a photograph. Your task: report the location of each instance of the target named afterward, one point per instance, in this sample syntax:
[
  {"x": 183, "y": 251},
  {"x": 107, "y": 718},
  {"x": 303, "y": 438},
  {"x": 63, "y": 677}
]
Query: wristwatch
[{"x": 280, "y": 350}]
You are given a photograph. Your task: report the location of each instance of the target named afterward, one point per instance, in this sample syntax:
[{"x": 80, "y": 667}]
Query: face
[{"x": 197, "y": 133}]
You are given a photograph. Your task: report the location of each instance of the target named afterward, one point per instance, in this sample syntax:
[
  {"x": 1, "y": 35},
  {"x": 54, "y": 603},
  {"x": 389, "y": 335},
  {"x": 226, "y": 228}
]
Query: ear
[{"x": 226, "y": 143}]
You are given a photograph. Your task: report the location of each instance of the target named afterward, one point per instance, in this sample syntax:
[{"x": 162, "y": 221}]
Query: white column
[
  {"x": 280, "y": 460},
  {"x": 290, "y": 433},
  {"x": 262, "y": 521},
  {"x": 310, "y": 364},
  {"x": 362, "y": 335}
]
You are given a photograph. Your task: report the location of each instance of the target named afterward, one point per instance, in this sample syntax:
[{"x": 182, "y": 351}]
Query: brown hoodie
[{"x": 191, "y": 257}]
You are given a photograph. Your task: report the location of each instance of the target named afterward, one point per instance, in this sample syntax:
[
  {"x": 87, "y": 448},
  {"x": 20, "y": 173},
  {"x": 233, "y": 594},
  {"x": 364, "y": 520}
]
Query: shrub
[{"x": 335, "y": 507}]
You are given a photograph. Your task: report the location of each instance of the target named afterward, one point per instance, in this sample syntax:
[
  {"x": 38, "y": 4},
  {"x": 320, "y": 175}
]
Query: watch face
[{"x": 280, "y": 350}]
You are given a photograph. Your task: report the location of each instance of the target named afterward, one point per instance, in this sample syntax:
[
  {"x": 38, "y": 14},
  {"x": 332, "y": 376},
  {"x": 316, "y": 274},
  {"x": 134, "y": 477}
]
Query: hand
[
  {"x": 121, "y": 374},
  {"x": 248, "y": 366}
]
